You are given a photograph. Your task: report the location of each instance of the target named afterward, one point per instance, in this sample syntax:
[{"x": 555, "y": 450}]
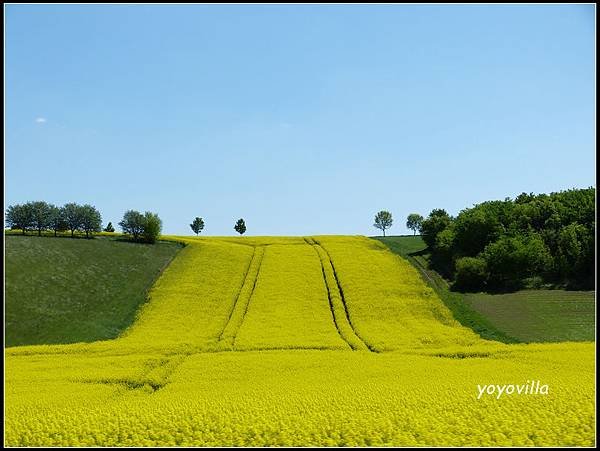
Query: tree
[
  {"x": 197, "y": 225},
  {"x": 109, "y": 228},
  {"x": 437, "y": 221},
  {"x": 240, "y": 226},
  {"x": 71, "y": 213},
  {"x": 471, "y": 273},
  {"x": 57, "y": 220},
  {"x": 512, "y": 259},
  {"x": 533, "y": 239},
  {"x": 91, "y": 221},
  {"x": 477, "y": 227},
  {"x": 442, "y": 256},
  {"x": 152, "y": 226},
  {"x": 132, "y": 223},
  {"x": 19, "y": 217},
  {"x": 524, "y": 198},
  {"x": 41, "y": 215},
  {"x": 142, "y": 227},
  {"x": 383, "y": 220},
  {"x": 414, "y": 221},
  {"x": 575, "y": 251}
]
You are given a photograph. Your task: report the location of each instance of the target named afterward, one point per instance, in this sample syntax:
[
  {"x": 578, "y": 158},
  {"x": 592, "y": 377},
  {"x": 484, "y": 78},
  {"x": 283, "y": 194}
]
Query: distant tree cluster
[
  {"x": 145, "y": 228},
  {"x": 510, "y": 244},
  {"x": 41, "y": 216}
]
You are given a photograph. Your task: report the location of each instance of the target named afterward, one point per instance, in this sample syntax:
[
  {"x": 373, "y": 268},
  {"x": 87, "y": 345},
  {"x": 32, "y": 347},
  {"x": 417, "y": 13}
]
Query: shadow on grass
[
  {"x": 48, "y": 235},
  {"x": 79, "y": 236}
]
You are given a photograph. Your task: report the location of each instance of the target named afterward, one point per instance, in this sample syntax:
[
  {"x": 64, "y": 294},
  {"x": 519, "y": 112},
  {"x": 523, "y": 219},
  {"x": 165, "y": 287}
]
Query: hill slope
[
  {"x": 62, "y": 290},
  {"x": 314, "y": 341},
  {"x": 521, "y": 316},
  {"x": 284, "y": 295}
]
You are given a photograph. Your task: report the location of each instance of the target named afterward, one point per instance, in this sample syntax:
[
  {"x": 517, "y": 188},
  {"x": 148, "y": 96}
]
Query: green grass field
[
  {"x": 307, "y": 341},
  {"x": 523, "y": 316},
  {"x": 540, "y": 315},
  {"x": 62, "y": 290}
]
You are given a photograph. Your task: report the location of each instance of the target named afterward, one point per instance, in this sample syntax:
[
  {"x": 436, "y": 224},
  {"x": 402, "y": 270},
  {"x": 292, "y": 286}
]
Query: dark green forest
[{"x": 533, "y": 241}]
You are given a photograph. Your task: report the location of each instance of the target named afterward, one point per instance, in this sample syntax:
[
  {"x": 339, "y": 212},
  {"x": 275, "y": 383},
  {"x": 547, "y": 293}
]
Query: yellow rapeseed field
[
  {"x": 320, "y": 341},
  {"x": 289, "y": 307}
]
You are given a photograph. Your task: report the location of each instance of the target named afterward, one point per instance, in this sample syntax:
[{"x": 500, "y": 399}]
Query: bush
[
  {"x": 152, "y": 227},
  {"x": 141, "y": 227},
  {"x": 443, "y": 254},
  {"x": 471, "y": 274},
  {"x": 534, "y": 283}
]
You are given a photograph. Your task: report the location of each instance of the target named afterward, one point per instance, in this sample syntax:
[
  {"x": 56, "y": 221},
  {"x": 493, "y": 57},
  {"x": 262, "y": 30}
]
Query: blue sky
[{"x": 301, "y": 119}]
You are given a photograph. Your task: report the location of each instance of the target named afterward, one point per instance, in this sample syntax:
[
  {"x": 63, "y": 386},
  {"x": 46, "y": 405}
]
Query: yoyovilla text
[{"x": 529, "y": 388}]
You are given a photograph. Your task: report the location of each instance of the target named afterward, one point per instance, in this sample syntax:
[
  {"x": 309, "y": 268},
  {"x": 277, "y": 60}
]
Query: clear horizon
[{"x": 301, "y": 119}]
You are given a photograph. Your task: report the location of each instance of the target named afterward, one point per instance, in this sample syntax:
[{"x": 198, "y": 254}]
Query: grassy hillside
[
  {"x": 522, "y": 316},
  {"x": 62, "y": 290},
  {"x": 540, "y": 315},
  {"x": 403, "y": 245},
  {"x": 316, "y": 341}
]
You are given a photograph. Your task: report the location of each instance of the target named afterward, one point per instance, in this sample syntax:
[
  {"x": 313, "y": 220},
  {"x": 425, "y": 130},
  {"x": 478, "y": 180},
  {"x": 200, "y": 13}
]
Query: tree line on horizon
[
  {"x": 41, "y": 216},
  {"x": 531, "y": 241}
]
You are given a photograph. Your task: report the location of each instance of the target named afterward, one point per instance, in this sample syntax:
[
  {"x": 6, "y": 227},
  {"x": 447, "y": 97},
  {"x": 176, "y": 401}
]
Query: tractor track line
[
  {"x": 237, "y": 297},
  {"x": 335, "y": 322},
  {"x": 262, "y": 254},
  {"x": 337, "y": 281}
]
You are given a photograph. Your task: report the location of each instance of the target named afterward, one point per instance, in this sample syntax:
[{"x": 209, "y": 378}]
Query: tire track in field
[
  {"x": 239, "y": 293},
  {"x": 155, "y": 375},
  {"x": 310, "y": 242},
  {"x": 240, "y": 308},
  {"x": 337, "y": 303}
]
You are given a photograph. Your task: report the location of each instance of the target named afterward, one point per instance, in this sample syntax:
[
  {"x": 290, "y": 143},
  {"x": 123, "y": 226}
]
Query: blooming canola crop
[{"x": 320, "y": 341}]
